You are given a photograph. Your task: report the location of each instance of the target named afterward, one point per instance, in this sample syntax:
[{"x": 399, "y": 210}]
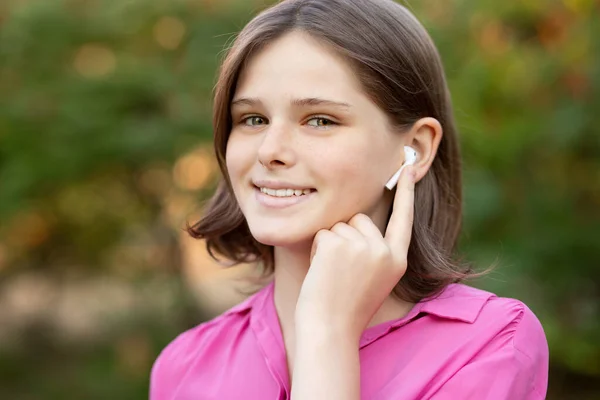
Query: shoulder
[
  {"x": 522, "y": 328},
  {"x": 495, "y": 343},
  {"x": 188, "y": 347},
  {"x": 487, "y": 319},
  {"x": 518, "y": 319},
  {"x": 505, "y": 322}
]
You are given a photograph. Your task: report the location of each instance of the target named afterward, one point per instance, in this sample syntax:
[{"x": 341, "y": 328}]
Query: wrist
[{"x": 328, "y": 333}]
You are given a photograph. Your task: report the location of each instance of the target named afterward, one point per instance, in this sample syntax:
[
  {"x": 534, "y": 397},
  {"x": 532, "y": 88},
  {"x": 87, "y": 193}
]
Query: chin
[{"x": 281, "y": 237}]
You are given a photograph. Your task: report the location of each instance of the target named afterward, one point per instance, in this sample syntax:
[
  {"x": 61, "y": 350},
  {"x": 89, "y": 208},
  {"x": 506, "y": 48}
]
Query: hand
[{"x": 354, "y": 268}]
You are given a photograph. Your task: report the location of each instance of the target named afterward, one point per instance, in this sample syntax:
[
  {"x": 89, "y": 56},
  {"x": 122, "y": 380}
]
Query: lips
[
  {"x": 277, "y": 185},
  {"x": 270, "y": 201},
  {"x": 285, "y": 192}
]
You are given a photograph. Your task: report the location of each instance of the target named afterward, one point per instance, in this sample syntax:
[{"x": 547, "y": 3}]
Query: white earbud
[{"x": 410, "y": 157}]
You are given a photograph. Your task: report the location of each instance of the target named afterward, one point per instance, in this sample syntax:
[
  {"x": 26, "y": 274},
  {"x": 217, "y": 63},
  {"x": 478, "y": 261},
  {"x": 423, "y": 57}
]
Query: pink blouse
[{"x": 463, "y": 344}]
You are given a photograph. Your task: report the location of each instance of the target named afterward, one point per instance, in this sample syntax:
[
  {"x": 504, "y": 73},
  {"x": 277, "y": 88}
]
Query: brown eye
[{"x": 320, "y": 122}]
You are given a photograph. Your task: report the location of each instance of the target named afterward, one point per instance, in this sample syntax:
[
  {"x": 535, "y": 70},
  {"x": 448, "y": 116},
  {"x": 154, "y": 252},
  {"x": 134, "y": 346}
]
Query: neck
[{"x": 291, "y": 267}]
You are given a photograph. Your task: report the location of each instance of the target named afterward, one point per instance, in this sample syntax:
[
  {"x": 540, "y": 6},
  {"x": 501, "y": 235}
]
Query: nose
[{"x": 276, "y": 147}]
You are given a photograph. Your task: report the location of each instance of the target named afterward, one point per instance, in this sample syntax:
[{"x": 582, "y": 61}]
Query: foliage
[{"x": 99, "y": 101}]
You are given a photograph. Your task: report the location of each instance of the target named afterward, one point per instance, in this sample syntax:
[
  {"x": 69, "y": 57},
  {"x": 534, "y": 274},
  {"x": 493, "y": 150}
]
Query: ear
[{"x": 424, "y": 136}]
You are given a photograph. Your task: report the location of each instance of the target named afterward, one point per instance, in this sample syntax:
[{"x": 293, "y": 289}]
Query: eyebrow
[{"x": 309, "y": 101}]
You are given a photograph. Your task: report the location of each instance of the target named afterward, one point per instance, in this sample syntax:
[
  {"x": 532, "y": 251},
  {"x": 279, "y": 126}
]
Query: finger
[
  {"x": 399, "y": 229},
  {"x": 322, "y": 235},
  {"x": 347, "y": 232},
  {"x": 365, "y": 225}
]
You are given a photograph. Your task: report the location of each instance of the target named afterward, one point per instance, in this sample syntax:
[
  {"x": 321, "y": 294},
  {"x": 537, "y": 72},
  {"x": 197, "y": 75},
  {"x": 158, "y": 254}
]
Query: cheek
[
  {"x": 355, "y": 165},
  {"x": 356, "y": 177},
  {"x": 236, "y": 159}
]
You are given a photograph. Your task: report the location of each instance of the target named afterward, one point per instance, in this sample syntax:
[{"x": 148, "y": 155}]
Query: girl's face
[{"x": 306, "y": 134}]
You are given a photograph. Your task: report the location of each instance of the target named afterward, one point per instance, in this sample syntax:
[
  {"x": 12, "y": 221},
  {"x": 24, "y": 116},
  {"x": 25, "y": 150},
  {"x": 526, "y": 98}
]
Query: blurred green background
[{"x": 105, "y": 110}]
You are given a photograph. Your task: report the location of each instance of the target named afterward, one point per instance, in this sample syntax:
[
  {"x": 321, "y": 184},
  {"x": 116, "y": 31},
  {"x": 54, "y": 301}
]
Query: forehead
[{"x": 298, "y": 65}]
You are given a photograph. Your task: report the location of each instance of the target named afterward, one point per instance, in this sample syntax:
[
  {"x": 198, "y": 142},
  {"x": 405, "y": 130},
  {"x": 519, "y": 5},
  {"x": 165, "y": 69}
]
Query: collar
[
  {"x": 456, "y": 302},
  {"x": 251, "y": 301}
]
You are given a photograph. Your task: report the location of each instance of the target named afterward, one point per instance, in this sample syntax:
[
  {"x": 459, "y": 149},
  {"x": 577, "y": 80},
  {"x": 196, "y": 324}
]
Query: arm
[
  {"x": 171, "y": 365},
  {"x": 353, "y": 269},
  {"x": 326, "y": 365}
]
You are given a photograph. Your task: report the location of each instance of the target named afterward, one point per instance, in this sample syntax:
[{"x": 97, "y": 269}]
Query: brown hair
[{"x": 400, "y": 69}]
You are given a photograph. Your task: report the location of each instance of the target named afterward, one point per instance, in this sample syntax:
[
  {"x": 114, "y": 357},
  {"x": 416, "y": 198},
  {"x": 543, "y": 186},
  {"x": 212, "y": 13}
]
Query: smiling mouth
[{"x": 285, "y": 192}]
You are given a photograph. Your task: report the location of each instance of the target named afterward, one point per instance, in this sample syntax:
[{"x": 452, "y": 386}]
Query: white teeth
[{"x": 284, "y": 192}]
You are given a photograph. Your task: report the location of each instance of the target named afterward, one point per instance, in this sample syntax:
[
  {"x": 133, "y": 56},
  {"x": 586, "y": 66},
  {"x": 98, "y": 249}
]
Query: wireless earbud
[{"x": 410, "y": 157}]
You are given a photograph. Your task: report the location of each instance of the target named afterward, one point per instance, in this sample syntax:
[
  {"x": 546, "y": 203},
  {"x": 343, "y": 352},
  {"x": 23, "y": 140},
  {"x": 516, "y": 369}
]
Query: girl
[{"x": 315, "y": 104}]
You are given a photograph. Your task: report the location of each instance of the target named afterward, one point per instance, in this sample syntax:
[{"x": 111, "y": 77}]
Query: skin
[{"x": 337, "y": 258}]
